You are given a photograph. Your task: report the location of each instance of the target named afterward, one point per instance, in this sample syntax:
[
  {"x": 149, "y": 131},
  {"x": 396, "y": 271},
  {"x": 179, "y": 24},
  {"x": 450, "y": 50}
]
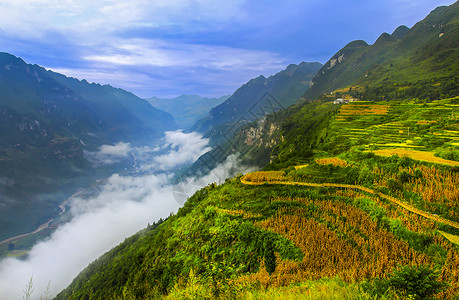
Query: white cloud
[
  {"x": 147, "y": 52},
  {"x": 109, "y": 154},
  {"x": 185, "y": 148},
  {"x": 32, "y": 17},
  {"x": 159, "y": 68},
  {"x": 124, "y": 205}
]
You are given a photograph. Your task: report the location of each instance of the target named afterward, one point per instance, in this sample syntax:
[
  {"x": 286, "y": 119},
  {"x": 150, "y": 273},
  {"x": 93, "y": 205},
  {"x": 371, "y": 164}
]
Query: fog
[
  {"x": 109, "y": 154},
  {"x": 123, "y": 206}
]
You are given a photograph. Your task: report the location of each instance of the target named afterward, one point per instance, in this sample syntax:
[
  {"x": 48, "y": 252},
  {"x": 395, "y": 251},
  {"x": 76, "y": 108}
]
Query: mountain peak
[
  {"x": 400, "y": 32},
  {"x": 384, "y": 38},
  {"x": 355, "y": 44}
]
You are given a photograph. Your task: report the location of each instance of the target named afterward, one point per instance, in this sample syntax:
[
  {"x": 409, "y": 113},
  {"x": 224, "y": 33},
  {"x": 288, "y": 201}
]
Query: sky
[{"x": 166, "y": 48}]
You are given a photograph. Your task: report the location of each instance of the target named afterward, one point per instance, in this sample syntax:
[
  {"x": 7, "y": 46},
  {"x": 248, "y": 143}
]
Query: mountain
[
  {"x": 261, "y": 95},
  {"x": 47, "y": 121},
  {"x": 356, "y": 200},
  {"x": 401, "y": 62},
  {"x": 187, "y": 109},
  {"x": 334, "y": 203}
]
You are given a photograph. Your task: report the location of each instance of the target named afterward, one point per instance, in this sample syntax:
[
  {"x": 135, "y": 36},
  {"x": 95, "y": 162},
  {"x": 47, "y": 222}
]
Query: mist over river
[{"x": 115, "y": 209}]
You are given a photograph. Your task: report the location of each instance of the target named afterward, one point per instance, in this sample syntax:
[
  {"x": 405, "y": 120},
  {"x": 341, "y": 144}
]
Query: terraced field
[
  {"x": 418, "y": 155},
  {"x": 276, "y": 177},
  {"x": 379, "y": 125}
]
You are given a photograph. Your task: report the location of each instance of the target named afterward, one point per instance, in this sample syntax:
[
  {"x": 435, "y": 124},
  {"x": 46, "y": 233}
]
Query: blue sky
[{"x": 166, "y": 48}]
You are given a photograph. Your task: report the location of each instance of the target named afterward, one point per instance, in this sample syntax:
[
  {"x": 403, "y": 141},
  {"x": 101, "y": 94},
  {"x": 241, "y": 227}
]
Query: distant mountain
[
  {"x": 407, "y": 57},
  {"x": 187, "y": 109},
  {"x": 47, "y": 120},
  {"x": 262, "y": 95}
]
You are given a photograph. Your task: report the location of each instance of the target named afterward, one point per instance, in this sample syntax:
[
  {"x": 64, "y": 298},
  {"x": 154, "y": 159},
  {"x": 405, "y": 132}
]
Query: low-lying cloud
[
  {"x": 109, "y": 154},
  {"x": 185, "y": 148},
  {"x": 123, "y": 206}
]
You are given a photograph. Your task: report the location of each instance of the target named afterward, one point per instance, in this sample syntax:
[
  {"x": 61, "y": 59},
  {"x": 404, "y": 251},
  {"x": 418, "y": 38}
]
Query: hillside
[
  {"x": 419, "y": 62},
  {"x": 268, "y": 230},
  {"x": 261, "y": 96},
  {"x": 47, "y": 121},
  {"x": 187, "y": 109},
  {"x": 354, "y": 201}
]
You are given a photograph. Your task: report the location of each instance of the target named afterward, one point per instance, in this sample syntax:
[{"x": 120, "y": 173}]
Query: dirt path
[{"x": 358, "y": 187}]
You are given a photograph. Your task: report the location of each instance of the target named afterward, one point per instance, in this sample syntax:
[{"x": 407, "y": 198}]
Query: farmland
[{"x": 376, "y": 125}]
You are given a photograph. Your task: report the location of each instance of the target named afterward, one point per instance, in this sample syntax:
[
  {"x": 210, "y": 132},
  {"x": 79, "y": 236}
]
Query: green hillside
[
  {"x": 421, "y": 62},
  {"x": 352, "y": 201},
  {"x": 249, "y": 101},
  {"x": 270, "y": 235}
]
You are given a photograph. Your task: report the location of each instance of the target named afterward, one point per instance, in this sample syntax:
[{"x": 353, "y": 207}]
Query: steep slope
[
  {"x": 409, "y": 56},
  {"x": 262, "y": 95},
  {"x": 364, "y": 192},
  {"x": 315, "y": 215},
  {"x": 46, "y": 122},
  {"x": 122, "y": 115},
  {"x": 187, "y": 109}
]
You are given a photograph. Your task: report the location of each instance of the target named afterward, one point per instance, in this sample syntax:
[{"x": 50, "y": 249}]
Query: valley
[{"x": 334, "y": 180}]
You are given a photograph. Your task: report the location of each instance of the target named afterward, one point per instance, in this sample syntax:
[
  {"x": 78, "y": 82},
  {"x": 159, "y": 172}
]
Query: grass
[
  {"x": 329, "y": 289},
  {"x": 18, "y": 253}
]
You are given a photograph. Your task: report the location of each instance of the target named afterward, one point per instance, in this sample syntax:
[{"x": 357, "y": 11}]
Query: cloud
[
  {"x": 109, "y": 154},
  {"x": 33, "y": 17},
  {"x": 229, "y": 168},
  {"x": 122, "y": 206},
  {"x": 184, "y": 149},
  {"x": 209, "y": 47},
  {"x": 163, "y": 68},
  {"x": 151, "y": 52}
]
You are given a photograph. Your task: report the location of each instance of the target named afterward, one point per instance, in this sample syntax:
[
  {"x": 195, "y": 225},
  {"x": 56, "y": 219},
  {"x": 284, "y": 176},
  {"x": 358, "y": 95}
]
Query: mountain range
[
  {"x": 356, "y": 200},
  {"x": 47, "y": 121},
  {"x": 400, "y": 64},
  {"x": 187, "y": 109},
  {"x": 260, "y": 96}
]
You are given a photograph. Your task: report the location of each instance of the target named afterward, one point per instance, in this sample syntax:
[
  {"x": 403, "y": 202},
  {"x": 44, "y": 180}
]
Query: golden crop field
[
  {"x": 362, "y": 109},
  {"x": 451, "y": 237},
  {"x": 415, "y": 154},
  {"x": 426, "y": 122},
  {"x": 336, "y": 161},
  {"x": 356, "y": 247},
  {"x": 262, "y": 176}
]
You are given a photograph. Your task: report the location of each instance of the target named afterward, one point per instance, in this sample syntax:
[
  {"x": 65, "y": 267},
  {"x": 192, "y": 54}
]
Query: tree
[
  {"x": 270, "y": 257},
  {"x": 419, "y": 282}
]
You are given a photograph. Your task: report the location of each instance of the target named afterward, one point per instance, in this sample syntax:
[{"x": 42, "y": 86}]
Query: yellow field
[
  {"x": 418, "y": 155},
  {"x": 263, "y": 176},
  {"x": 396, "y": 145},
  {"x": 362, "y": 109},
  {"x": 426, "y": 122},
  {"x": 451, "y": 237},
  {"x": 258, "y": 178},
  {"x": 300, "y": 167},
  {"x": 332, "y": 160}
]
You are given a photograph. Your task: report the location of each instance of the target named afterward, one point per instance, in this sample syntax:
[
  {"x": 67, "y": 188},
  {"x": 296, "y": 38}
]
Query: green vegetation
[
  {"x": 281, "y": 233},
  {"x": 238, "y": 241},
  {"x": 422, "y": 63}
]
